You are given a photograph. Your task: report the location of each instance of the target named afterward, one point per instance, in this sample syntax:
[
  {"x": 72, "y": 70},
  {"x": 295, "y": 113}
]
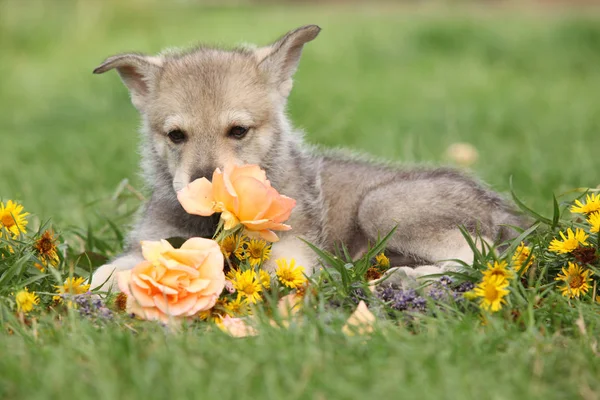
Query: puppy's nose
[{"x": 202, "y": 173}]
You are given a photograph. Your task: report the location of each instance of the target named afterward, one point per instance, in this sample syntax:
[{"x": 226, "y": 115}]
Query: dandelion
[
  {"x": 290, "y": 275},
  {"x": 26, "y": 300},
  {"x": 237, "y": 307},
  {"x": 591, "y": 205},
  {"x": 522, "y": 259},
  {"x": 12, "y": 218},
  {"x": 257, "y": 251},
  {"x": 71, "y": 286},
  {"x": 499, "y": 269},
  {"x": 233, "y": 244},
  {"x": 247, "y": 284},
  {"x": 570, "y": 242},
  {"x": 264, "y": 278},
  {"x": 492, "y": 292},
  {"x": 46, "y": 250},
  {"x": 382, "y": 262},
  {"x": 577, "y": 280},
  {"x": 594, "y": 221}
]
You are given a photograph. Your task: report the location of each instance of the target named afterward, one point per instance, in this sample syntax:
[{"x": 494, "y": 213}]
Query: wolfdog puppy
[{"x": 208, "y": 107}]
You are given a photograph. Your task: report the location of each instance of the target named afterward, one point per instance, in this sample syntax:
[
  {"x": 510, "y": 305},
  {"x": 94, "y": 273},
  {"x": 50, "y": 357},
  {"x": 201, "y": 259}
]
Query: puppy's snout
[{"x": 202, "y": 173}]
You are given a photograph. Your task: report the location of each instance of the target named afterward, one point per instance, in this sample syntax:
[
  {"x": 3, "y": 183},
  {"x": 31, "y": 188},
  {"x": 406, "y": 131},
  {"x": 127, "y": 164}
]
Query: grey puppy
[{"x": 208, "y": 108}]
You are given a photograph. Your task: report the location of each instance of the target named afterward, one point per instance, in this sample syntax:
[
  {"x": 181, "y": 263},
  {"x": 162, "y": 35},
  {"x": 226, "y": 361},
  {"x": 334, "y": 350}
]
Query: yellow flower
[
  {"x": 12, "y": 218},
  {"x": 257, "y": 251},
  {"x": 594, "y": 221},
  {"x": 498, "y": 269},
  {"x": 492, "y": 292},
  {"x": 382, "y": 261},
  {"x": 237, "y": 307},
  {"x": 247, "y": 285},
  {"x": 233, "y": 244},
  {"x": 26, "y": 301},
  {"x": 45, "y": 248},
  {"x": 569, "y": 243},
  {"x": 577, "y": 280},
  {"x": 290, "y": 275},
  {"x": 214, "y": 314},
  {"x": 71, "y": 286},
  {"x": 591, "y": 205},
  {"x": 522, "y": 258},
  {"x": 265, "y": 279}
]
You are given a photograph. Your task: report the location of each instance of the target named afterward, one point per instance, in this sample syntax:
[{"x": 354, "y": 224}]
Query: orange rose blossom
[
  {"x": 174, "y": 283},
  {"x": 242, "y": 194}
]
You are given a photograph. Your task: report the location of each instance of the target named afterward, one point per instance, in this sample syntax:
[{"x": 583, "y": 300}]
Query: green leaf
[{"x": 526, "y": 209}]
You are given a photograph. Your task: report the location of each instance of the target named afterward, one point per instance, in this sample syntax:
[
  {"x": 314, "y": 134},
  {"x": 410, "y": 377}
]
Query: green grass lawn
[{"x": 400, "y": 83}]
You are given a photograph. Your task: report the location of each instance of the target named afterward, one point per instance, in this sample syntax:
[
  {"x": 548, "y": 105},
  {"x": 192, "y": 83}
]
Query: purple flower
[{"x": 90, "y": 306}]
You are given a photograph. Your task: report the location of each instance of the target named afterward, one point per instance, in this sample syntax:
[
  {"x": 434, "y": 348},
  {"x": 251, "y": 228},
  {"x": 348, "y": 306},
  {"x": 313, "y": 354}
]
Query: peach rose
[
  {"x": 242, "y": 194},
  {"x": 173, "y": 282}
]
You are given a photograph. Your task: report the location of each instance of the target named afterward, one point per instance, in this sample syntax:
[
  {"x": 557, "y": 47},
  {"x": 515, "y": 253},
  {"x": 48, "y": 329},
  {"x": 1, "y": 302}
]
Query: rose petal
[
  {"x": 197, "y": 197},
  {"x": 123, "y": 281},
  {"x": 269, "y": 236},
  {"x": 174, "y": 308},
  {"x": 254, "y": 198},
  {"x": 223, "y": 191},
  {"x": 249, "y": 170},
  {"x": 151, "y": 250},
  {"x": 141, "y": 296}
]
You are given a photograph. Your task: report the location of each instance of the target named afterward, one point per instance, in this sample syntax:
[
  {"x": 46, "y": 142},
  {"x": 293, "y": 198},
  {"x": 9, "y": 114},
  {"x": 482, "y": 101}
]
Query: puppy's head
[{"x": 210, "y": 108}]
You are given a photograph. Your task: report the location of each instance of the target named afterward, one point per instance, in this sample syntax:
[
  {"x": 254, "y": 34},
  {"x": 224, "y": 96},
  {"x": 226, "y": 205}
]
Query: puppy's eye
[
  {"x": 237, "y": 132},
  {"x": 176, "y": 136}
]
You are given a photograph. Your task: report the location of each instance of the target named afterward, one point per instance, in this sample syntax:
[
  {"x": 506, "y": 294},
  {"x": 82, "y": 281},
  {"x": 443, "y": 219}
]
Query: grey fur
[{"x": 340, "y": 199}]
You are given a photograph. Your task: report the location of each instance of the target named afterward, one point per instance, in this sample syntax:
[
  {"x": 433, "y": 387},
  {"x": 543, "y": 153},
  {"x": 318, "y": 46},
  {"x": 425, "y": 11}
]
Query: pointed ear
[
  {"x": 137, "y": 72},
  {"x": 280, "y": 60}
]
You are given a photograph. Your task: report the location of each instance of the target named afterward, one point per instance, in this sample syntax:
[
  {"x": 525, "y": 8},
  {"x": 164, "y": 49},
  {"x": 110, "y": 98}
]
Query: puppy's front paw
[{"x": 105, "y": 277}]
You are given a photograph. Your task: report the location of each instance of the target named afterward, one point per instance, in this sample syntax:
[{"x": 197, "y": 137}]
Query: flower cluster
[
  {"x": 226, "y": 279},
  {"x": 31, "y": 254}
]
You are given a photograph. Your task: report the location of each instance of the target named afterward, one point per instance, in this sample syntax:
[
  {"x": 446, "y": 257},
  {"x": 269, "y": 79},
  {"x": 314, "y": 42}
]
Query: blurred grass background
[{"x": 402, "y": 82}]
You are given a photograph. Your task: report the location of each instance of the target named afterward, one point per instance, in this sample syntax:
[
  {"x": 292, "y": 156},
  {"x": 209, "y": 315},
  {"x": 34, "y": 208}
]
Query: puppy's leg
[
  {"x": 162, "y": 218},
  {"x": 105, "y": 277},
  {"x": 427, "y": 216}
]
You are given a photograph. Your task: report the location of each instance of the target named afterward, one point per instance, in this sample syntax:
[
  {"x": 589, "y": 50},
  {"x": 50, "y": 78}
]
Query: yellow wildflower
[
  {"x": 290, "y": 275},
  {"x": 382, "y": 261},
  {"x": 522, "y": 258},
  {"x": 247, "y": 285},
  {"x": 236, "y": 308},
  {"x": 594, "y": 221},
  {"x": 570, "y": 242},
  {"x": 591, "y": 205},
  {"x": 26, "y": 300},
  {"x": 492, "y": 292},
  {"x": 265, "y": 279},
  {"x": 46, "y": 250},
  {"x": 257, "y": 251},
  {"x": 12, "y": 218},
  {"x": 71, "y": 286},
  {"x": 498, "y": 269},
  {"x": 233, "y": 244},
  {"x": 577, "y": 280}
]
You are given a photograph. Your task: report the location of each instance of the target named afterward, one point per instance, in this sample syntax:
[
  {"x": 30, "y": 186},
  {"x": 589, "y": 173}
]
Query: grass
[{"x": 399, "y": 83}]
